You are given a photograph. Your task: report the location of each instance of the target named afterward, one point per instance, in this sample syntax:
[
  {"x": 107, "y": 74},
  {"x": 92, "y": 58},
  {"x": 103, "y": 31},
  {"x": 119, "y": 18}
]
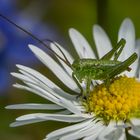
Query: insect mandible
[{"x": 86, "y": 70}]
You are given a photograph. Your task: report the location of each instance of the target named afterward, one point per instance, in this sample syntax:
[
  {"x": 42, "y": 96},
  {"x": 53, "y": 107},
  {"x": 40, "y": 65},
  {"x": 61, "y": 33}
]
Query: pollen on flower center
[{"x": 120, "y": 101}]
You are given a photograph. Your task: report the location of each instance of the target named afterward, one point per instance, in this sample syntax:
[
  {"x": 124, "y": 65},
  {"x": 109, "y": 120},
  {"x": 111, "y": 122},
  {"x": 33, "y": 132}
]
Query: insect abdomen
[
  {"x": 93, "y": 63},
  {"x": 91, "y": 68}
]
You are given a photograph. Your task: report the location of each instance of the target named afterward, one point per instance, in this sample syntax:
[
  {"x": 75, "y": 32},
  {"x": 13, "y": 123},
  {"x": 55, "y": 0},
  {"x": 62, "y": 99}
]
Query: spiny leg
[
  {"x": 122, "y": 66},
  {"x": 88, "y": 83},
  {"x": 107, "y": 82},
  {"x": 117, "y": 53},
  {"x": 77, "y": 82},
  {"x": 120, "y": 45}
]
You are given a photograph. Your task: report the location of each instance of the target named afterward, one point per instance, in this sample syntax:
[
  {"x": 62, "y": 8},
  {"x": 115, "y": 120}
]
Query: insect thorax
[{"x": 92, "y": 68}]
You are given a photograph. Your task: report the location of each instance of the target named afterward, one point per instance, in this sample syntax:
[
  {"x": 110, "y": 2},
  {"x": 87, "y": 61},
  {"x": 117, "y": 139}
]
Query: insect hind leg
[
  {"x": 116, "y": 51},
  {"x": 117, "y": 54},
  {"x": 122, "y": 66}
]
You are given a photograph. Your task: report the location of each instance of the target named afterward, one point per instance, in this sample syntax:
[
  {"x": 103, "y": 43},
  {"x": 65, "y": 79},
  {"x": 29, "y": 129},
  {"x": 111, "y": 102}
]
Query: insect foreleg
[
  {"x": 88, "y": 83},
  {"x": 77, "y": 82},
  {"x": 107, "y": 81}
]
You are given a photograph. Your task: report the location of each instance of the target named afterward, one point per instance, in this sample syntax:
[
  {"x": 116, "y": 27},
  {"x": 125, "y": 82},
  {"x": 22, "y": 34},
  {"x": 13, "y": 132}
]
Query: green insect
[
  {"x": 104, "y": 69},
  {"x": 86, "y": 70}
]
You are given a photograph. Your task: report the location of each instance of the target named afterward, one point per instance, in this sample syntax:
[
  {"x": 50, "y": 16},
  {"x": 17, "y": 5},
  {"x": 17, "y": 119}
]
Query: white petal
[
  {"x": 22, "y": 77},
  {"x": 66, "y": 53},
  {"x": 123, "y": 136},
  {"x": 138, "y": 52},
  {"x": 69, "y": 58},
  {"x": 102, "y": 41},
  {"x": 68, "y": 129},
  {"x": 138, "y": 46},
  {"x": 56, "y": 138},
  {"x": 65, "y": 66},
  {"x": 28, "y": 121},
  {"x": 54, "y": 67},
  {"x": 51, "y": 94},
  {"x": 25, "y": 122},
  {"x": 71, "y": 107},
  {"x": 127, "y": 32},
  {"x": 90, "y": 129},
  {"x": 35, "y": 106},
  {"x": 54, "y": 117},
  {"x": 135, "y": 131},
  {"x": 113, "y": 131},
  {"x": 31, "y": 73},
  {"x": 135, "y": 122},
  {"x": 64, "y": 112},
  {"x": 41, "y": 80},
  {"x": 93, "y": 136},
  {"x": 116, "y": 134},
  {"x": 81, "y": 45},
  {"x": 135, "y": 66},
  {"x": 41, "y": 93}
]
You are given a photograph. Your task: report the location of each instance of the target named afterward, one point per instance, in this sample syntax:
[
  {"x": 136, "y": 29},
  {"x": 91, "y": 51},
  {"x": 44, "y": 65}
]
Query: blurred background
[{"x": 48, "y": 19}]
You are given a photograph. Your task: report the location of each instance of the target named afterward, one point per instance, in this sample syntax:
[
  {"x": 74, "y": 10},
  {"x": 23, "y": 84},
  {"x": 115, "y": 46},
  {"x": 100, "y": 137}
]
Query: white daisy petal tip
[
  {"x": 12, "y": 125},
  {"x": 7, "y": 107},
  {"x": 83, "y": 48},
  {"x": 96, "y": 27},
  {"x": 34, "y": 48},
  {"x": 19, "y": 66},
  {"x": 127, "y": 21},
  {"x": 31, "y": 46},
  {"x": 127, "y": 29},
  {"x": 12, "y": 73},
  {"x": 71, "y": 30},
  {"x": 102, "y": 41}
]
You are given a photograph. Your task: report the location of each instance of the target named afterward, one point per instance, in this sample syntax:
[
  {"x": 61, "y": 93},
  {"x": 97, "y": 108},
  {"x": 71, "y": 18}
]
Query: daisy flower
[{"x": 106, "y": 114}]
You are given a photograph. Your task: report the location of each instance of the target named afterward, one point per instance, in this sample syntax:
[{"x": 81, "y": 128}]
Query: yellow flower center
[{"x": 119, "y": 101}]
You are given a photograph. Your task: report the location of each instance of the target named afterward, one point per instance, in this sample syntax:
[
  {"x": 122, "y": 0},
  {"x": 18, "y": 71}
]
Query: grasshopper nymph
[
  {"x": 86, "y": 70},
  {"x": 104, "y": 69}
]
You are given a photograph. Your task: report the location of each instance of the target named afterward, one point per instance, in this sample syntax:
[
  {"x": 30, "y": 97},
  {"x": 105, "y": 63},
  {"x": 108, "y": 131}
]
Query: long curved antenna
[
  {"x": 40, "y": 41},
  {"x": 58, "y": 49}
]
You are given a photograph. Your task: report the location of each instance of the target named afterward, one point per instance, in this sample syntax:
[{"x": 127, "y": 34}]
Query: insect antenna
[
  {"x": 56, "y": 45},
  {"x": 65, "y": 60}
]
